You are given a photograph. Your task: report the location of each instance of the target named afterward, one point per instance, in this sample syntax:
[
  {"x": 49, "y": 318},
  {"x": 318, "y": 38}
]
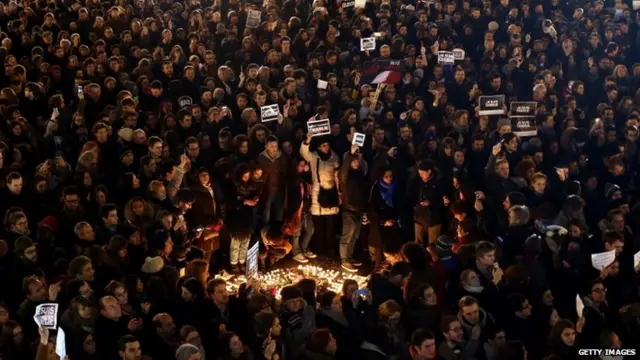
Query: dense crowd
[{"x": 136, "y": 165}]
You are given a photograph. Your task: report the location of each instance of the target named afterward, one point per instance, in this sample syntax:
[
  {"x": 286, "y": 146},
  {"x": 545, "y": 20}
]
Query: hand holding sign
[
  {"x": 358, "y": 139},
  {"x": 601, "y": 261},
  {"x": 46, "y": 315}
]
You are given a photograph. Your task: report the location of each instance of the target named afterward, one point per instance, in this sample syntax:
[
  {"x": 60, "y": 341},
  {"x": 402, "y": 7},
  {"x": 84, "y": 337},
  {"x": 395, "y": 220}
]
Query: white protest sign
[
  {"x": 367, "y": 44},
  {"x": 358, "y": 139},
  {"x": 636, "y": 260},
  {"x": 269, "y": 112},
  {"x": 46, "y": 316},
  {"x": 322, "y": 85},
  {"x": 253, "y": 19},
  {"x": 348, "y": 4},
  {"x": 579, "y": 306},
  {"x": 360, "y": 3},
  {"x": 61, "y": 345},
  {"x": 319, "y": 127},
  {"x": 458, "y": 54},
  {"x": 601, "y": 260},
  {"x": 446, "y": 57}
]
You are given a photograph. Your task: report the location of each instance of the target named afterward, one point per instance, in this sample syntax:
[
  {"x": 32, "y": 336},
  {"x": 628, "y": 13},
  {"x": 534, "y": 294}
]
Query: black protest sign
[{"x": 491, "y": 105}]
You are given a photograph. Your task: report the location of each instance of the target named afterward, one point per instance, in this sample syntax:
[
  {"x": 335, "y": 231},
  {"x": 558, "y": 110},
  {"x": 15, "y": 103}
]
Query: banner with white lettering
[
  {"x": 348, "y": 4},
  {"x": 523, "y": 118},
  {"x": 524, "y": 126},
  {"x": 523, "y": 109},
  {"x": 458, "y": 54},
  {"x": 491, "y": 105},
  {"x": 446, "y": 57},
  {"x": 319, "y": 127}
]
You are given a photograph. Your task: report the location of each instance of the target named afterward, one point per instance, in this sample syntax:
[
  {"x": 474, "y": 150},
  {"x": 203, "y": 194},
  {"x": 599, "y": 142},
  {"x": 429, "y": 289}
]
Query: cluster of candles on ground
[{"x": 276, "y": 279}]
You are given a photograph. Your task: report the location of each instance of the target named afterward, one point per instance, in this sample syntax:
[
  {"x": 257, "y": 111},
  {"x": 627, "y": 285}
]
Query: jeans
[
  {"x": 275, "y": 203},
  {"x": 351, "y": 224},
  {"x": 239, "y": 248},
  {"x": 306, "y": 232}
]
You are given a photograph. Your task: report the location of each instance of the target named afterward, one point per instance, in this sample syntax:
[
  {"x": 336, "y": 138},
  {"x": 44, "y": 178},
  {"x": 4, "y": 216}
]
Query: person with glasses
[
  {"x": 17, "y": 225},
  {"x": 455, "y": 346},
  {"x": 596, "y": 312}
]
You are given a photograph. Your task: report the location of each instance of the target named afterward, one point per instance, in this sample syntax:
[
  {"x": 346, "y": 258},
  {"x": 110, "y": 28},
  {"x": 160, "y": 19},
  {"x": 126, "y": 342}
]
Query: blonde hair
[{"x": 388, "y": 308}]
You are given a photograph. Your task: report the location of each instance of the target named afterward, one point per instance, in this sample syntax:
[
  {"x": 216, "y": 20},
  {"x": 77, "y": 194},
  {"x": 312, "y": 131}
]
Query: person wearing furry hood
[{"x": 298, "y": 320}]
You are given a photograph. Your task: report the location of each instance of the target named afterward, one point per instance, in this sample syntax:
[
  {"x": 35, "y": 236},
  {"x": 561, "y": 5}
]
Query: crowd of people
[{"x": 136, "y": 165}]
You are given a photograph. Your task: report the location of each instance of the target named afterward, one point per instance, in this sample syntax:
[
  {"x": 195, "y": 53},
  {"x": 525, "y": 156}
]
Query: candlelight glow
[{"x": 274, "y": 280}]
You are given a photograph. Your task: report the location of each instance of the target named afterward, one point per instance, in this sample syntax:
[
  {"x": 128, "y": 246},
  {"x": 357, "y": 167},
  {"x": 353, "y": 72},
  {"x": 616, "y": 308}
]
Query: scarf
[
  {"x": 387, "y": 191},
  {"x": 324, "y": 156},
  {"x": 473, "y": 289}
]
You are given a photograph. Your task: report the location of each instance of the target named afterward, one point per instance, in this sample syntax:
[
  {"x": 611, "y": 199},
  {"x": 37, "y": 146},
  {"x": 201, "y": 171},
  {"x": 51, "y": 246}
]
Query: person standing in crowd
[{"x": 325, "y": 197}]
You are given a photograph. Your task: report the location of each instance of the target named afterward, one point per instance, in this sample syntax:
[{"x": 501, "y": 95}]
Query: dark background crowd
[{"x": 135, "y": 166}]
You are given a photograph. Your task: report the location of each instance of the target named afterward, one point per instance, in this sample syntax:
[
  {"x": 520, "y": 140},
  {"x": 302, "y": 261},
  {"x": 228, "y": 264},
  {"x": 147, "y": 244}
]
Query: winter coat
[{"x": 325, "y": 170}]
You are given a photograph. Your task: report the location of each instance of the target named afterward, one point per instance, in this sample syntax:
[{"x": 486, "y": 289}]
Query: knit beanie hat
[
  {"x": 21, "y": 244},
  {"x": 185, "y": 351},
  {"x": 290, "y": 292}
]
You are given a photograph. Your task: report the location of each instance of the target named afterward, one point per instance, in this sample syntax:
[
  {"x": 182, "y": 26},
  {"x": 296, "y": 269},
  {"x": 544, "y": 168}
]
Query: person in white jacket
[{"x": 325, "y": 196}]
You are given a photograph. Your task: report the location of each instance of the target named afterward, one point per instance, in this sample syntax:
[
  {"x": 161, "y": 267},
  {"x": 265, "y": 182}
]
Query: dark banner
[
  {"x": 524, "y": 126},
  {"x": 491, "y": 105},
  {"x": 523, "y": 109}
]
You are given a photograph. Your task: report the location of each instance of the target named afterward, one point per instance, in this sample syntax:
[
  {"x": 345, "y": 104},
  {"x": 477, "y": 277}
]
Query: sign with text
[
  {"x": 358, "y": 139},
  {"x": 524, "y": 127},
  {"x": 523, "y": 109},
  {"x": 600, "y": 261},
  {"x": 269, "y": 112},
  {"x": 253, "y": 19},
  {"x": 46, "y": 316},
  {"x": 348, "y": 4},
  {"x": 319, "y": 127},
  {"x": 491, "y": 105},
  {"x": 252, "y": 261},
  {"x": 367, "y": 44},
  {"x": 322, "y": 85},
  {"x": 446, "y": 57},
  {"x": 458, "y": 54}
]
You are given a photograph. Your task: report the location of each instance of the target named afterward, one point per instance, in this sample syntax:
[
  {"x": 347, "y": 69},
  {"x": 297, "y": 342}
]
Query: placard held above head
[
  {"x": 269, "y": 112},
  {"x": 491, "y": 105},
  {"x": 319, "y": 127}
]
